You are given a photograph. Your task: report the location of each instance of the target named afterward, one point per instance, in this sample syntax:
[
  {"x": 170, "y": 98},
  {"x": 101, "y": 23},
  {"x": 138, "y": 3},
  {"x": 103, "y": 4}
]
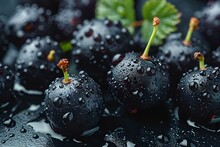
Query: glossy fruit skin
[
  {"x": 210, "y": 23},
  {"x": 216, "y": 57},
  {"x": 86, "y": 7},
  {"x": 32, "y": 67},
  {"x": 179, "y": 57},
  {"x": 199, "y": 94},
  {"x": 3, "y": 41},
  {"x": 74, "y": 108},
  {"x": 95, "y": 44},
  {"x": 138, "y": 83},
  {"x": 66, "y": 21},
  {"x": 28, "y": 21},
  {"x": 6, "y": 85},
  {"x": 53, "y": 5}
]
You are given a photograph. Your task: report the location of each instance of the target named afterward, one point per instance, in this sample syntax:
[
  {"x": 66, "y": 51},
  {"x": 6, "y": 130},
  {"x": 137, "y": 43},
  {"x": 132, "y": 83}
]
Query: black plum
[
  {"x": 36, "y": 66},
  {"x": 73, "y": 104},
  {"x": 95, "y": 44},
  {"x": 139, "y": 81},
  {"x": 210, "y": 23},
  {"x": 177, "y": 53},
  {"x": 199, "y": 92},
  {"x": 28, "y": 22}
]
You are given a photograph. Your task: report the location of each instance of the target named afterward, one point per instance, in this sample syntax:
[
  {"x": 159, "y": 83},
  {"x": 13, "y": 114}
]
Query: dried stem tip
[
  {"x": 64, "y": 64},
  {"x": 194, "y": 23},
  {"x": 50, "y": 56},
  {"x": 200, "y": 57},
  {"x": 156, "y": 21}
]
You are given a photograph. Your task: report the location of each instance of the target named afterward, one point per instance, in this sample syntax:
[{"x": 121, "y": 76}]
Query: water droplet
[
  {"x": 58, "y": 102},
  {"x": 35, "y": 136},
  {"x": 9, "y": 123},
  {"x": 215, "y": 88},
  {"x": 67, "y": 118},
  {"x": 151, "y": 71},
  {"x": 81, "y": 100},
  {"x": 23, "y": 130},
  {"x": 206, "y": 95},
  {"x": 117, "y": 59},
  {"x": 135, "y": 92},
  {"x": 140, "y": 69},
  {"x": 193, "y": 86}
]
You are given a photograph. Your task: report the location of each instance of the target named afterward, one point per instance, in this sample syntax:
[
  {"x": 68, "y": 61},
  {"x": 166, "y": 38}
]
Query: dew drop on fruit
[
  {"x": 35, "y": 136},
  {"x": 215, "y": 88},
  {"x": 117, "y": 59},
  {"x": 58, "y": 102},
  {"x": 9, "y": 123},
  {"x": 135, "y": 92},
  {"x": 193, "y": 86},
  {"x": 23, "y": 130},
  {"x": 140, "y": 70},
  {"x": 67, "y": 118},
  {"x": 151, "y": 71},
  {"x": 81, "y": 100}
]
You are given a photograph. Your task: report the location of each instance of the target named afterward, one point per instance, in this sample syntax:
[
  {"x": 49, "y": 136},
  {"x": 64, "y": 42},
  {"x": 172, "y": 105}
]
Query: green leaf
[
  {"x": 122, "y": 10},
  {"x": 169, "y": 18},
  {"x": 66, "y": 46}
]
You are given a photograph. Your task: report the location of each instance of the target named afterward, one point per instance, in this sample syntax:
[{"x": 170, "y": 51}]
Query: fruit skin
[
  {"x": 138, "y": 83},
  {"x": 210, "y": 23},
  {"x": 179, "y": 57},
  {"x": 28, "y": 22},
  {"x": 32, "y": 67},
  {"x": 86, "y": 7},
  {"x": 66, "y": 21},
  {"x": 53, "y": 5},
  {"x": 3, "y": 41},
  {"x": 74, "y": 108},
  {"x": 216, "y": 57},
  {"x": 6, "y": 85},
  {"x": 95, "y": 44},
  {"x": 199, "y": 94}
]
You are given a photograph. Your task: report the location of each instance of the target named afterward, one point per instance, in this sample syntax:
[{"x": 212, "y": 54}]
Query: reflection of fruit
[
  {"x": 73, "y": 104},
  {"x": 96, "y": 42},
  {"x": 139, "y": 81},
  {"x": 199, "y": 92}
]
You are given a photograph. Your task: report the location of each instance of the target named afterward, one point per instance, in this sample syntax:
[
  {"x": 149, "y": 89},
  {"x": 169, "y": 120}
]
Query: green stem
[
  {"x": 66, "y": 76},
  {"x": 202, "y": 64},
  {"x": 189, "y": 35},
  {"x": 147, "y": 49}
]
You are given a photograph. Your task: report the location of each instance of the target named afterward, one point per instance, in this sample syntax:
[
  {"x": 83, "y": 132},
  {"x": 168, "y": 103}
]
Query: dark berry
[
  {"x": 86, "y": 7},
  {"x": 198, "y": 92},
  {"x": 139, "y": 81},
  {"x": 178, "y": 53},
  {"x": 66, "y": 21},
  {"x": 6, "y": 85},
  {"x": 47, "y": 4},
  {"x": 216, "y": 57},
  {"x": 210, "y": 23},
  {"x": 73, "y": 104},
  {"x": 28, "y": 22},
  {"x": 36, "y": 65},
  {"x": 95, "y": 44}
]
